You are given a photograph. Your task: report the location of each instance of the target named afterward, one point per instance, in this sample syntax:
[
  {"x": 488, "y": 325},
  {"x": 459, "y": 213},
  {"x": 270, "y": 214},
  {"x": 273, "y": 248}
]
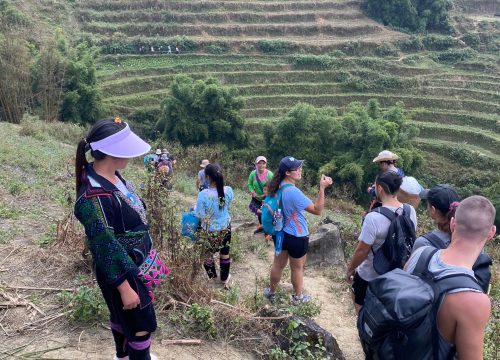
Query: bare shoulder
[{"x": 468, "y": 306}]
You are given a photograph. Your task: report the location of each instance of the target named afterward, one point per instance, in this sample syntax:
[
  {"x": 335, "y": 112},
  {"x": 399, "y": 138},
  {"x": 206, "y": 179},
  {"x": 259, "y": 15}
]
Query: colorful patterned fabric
[
  {"x": 108, "y": 254},
  {"x": 153, "y": 270}
]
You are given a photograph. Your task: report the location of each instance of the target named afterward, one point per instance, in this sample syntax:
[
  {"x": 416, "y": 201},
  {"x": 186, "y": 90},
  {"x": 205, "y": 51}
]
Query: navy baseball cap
[
  {"x": 441, "y": 197},
  {"x": 289, "y": 163}
]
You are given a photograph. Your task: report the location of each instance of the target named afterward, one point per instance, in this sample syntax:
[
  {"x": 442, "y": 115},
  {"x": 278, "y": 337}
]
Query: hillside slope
[{"x": 320, "y": 52}]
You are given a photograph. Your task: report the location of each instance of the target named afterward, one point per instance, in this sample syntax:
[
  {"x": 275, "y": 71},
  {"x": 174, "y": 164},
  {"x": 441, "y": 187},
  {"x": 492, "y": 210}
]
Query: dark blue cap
[
  {"x": 441, "y": 197},
  {"x": 289, "y": 163}
]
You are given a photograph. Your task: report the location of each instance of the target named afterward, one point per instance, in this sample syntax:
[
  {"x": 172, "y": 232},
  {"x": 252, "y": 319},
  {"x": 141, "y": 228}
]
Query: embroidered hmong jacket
[{"x": 116, "y": 227}]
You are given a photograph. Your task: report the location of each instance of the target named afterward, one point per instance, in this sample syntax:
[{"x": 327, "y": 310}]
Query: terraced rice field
[{"x": 253, "y": 45}]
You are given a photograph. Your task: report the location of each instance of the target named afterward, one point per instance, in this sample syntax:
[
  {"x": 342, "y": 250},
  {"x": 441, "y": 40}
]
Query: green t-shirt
[{"x": 253, "y": 184}]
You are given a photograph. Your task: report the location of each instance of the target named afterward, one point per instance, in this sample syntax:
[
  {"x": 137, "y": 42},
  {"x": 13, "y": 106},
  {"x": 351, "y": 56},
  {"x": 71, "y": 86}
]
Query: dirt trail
[{"x": 337, "y": 312}]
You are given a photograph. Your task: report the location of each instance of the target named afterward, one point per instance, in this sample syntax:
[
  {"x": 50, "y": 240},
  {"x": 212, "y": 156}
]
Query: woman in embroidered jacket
[{"x": 125, "y": 262}]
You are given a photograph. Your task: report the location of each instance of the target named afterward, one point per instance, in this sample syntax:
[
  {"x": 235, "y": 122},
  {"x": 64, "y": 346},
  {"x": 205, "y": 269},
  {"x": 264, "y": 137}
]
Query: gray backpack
[{"x": 398, "y": 319}]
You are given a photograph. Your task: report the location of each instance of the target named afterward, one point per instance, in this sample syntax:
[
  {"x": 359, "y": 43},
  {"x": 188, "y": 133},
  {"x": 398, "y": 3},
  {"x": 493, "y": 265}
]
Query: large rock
[
  {"x": 326, "y": 246},
  {"x": 290, "y": 330}
]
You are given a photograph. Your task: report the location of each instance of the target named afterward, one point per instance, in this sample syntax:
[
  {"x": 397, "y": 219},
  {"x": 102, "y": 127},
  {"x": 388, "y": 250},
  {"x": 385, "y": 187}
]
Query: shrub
[
  {"x": 246, "y": 47},
  {"x": 218, "y": 48},
  {"x": 352, "y": 48},
  {"x": 322, "y": 62},
  {"x": 438, "y": 42},
  {"x": 86, "y": 304},
  {"x": 411, "y": 44},
  {"x": 454, "y": 55},
  {"x": 278, "y": 47},
  {"x": 386, "y": 49},
  {"x": 413, "y": 15},
  {"x": 472, "y": 39}
]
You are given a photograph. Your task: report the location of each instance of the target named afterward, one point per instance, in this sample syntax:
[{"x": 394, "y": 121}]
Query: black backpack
[
  {"x": 396, "y": 249},
  {"x": 398, "y": 319},
  {"x": 481, "y": 268}
]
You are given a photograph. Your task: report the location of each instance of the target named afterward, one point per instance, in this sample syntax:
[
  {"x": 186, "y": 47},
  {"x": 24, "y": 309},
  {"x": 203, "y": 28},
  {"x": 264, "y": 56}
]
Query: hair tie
[
  {"x": 454, "y": 205},
  {"x": 85, "y": 140}
]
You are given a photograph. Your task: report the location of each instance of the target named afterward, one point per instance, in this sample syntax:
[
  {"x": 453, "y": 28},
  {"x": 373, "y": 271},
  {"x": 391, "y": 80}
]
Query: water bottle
[
  {"x": 278, "y": 221},
  {"x": 278, "y": 244}
]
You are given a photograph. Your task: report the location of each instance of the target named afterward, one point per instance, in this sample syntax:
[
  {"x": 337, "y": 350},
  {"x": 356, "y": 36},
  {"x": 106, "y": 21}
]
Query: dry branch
[
  {"x": 37, "y": 288},
  {"x": 182, "y": 342}
]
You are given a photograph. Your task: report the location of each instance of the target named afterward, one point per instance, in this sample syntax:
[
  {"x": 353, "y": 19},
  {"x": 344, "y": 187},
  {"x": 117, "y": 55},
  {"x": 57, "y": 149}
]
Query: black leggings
[{"x": 217, "y": 241}]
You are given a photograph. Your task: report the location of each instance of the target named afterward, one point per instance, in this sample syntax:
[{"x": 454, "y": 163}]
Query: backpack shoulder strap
[
  {"x": 435, "y": 240},
  {"x": 422, "y": 266},
  {"x": 389, "y": 214},
  {"x": 457, "y": 281}
]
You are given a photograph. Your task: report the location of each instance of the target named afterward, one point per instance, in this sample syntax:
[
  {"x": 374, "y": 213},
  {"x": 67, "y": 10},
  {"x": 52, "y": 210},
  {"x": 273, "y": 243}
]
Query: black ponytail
[
  {"x": 214, "y": 172},
  {"x": 101, "y": 130}
]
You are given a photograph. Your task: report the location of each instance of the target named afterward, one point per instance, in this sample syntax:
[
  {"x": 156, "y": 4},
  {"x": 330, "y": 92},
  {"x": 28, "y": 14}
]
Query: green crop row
[
  {"x": 477, "y": 85},
  {"x": 205, "y": 6},
  {"x": 479, "y": 138},
  {"x": 167, "y": 16},
  {"x": 460, "y": 93},
  {"x": 229, "y": 30},
  {"x": 341, "y": 100},
  {"x": 461, "y": 153},
  {"x": 452, "y": 118}
]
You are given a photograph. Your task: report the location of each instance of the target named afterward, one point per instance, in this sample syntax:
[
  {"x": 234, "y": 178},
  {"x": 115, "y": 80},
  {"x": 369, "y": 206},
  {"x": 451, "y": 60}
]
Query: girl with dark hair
[
  {"x": 212, "y": 207},
  {"x": 373, "y": 233},
  {"x": 442, "y": 201},
  {"x": 296, "y": 233},
  {"x": 124, "y": 260}
]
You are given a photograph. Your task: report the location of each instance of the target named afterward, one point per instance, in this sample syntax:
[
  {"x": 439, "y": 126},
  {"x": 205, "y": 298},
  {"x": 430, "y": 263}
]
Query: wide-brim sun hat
[
  {"x": 385, "y": 155},
  {"x": 123, "y": 144},
  {"x": 260, "y": 158},
  {"x": 204, "y": 163}
]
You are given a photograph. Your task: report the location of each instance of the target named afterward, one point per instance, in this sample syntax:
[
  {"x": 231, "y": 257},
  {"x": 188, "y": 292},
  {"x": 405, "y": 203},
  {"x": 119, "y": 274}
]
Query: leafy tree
[
  {"x": 82, "y": 100},
  {"x": 202, "y": 111},
  {"x": 344, "y": 146},
  {"x": 413, "y": 15}
]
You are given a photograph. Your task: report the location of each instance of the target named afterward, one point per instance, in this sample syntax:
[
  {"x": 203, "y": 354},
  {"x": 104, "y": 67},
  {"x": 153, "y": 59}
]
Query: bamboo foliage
[
  {"x": 51, "y": 74},
  {"x": 15, "y": 78}
]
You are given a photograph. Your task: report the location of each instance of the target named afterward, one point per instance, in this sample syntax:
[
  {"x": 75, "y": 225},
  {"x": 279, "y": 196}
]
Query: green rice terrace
[{"x": 326, "y": 53}]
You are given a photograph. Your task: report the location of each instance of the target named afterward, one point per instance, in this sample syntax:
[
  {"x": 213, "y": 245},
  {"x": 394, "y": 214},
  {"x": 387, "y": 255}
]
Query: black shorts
[
  {"x": 296, "y": 246},
  {"x": 359, "y": 287}
]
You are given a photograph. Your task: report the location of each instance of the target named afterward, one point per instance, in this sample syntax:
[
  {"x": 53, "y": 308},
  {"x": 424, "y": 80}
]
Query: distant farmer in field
[
  {"x": 177, "y": 51},
  {"x": 126, "y": 264},
  {"x": 201, "y": 179},
  {"x": 169, "y": 50},
  {"x": 256, "y": 182}
]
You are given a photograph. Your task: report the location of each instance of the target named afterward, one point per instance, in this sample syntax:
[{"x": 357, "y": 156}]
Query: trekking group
[{"x": 416, "y": 298}]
